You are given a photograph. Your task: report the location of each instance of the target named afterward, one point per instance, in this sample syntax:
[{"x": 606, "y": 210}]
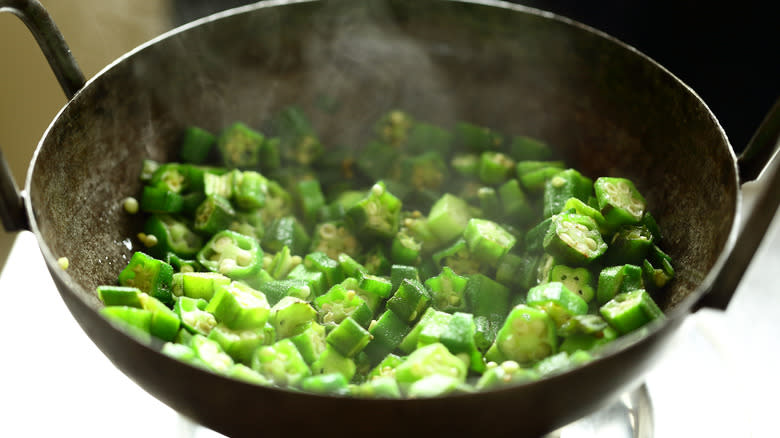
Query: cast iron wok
[{"x": 607, "y": 108}]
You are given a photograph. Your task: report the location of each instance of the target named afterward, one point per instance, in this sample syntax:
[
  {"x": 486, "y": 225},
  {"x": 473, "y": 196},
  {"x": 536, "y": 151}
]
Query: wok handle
[
  {"x": 760, "y": 162},
  {"x": 70, "y": 77}
]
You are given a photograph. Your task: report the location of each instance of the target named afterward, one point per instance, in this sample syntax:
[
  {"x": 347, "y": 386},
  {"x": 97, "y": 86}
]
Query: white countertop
[{"x": 718, "y": 380}]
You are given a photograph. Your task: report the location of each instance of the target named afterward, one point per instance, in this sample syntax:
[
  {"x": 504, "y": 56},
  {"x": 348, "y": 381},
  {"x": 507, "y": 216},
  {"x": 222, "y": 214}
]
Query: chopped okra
[{"x": 427, "y": 260}]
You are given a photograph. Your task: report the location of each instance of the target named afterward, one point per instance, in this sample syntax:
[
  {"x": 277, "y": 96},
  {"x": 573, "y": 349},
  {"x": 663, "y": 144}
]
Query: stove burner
[{"x": 630, "y": 417}]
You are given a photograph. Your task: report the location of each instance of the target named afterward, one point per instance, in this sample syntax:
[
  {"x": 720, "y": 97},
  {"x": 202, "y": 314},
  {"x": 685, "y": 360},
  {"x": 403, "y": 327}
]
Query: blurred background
[{"x": 727, "y": 52}]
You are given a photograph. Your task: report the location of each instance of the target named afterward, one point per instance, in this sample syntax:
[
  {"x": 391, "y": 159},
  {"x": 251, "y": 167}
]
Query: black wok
[{"x": 607, "y": 108}]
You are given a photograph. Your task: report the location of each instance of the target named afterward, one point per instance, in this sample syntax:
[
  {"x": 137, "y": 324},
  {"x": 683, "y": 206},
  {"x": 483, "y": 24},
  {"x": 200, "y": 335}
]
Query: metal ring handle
[{"x": 70, "y": 77}]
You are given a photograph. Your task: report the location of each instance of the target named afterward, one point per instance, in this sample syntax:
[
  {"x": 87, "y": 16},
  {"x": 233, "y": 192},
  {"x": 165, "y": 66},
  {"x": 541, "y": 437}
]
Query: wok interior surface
[{"x": 606, "y": 108}]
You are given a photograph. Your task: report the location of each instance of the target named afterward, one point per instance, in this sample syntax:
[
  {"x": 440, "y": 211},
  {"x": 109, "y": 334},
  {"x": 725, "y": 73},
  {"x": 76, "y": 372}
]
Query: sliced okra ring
[
  {"x": 631, "y": 310},
  {"x": 574, "y": 239},
  {"x": 239, "y": 306},
  {"x": 231, "y": 254},
  {"x": 150, "y": 275},
  {"x": 527, "y": 336},
  {"x": 280, "y": 363},
  {"x": 577, "y": 280},
  {"x": 619, "y": 201}
]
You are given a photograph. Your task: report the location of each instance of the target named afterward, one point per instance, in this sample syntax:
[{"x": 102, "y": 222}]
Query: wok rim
[{"x": 674, "y": 315}]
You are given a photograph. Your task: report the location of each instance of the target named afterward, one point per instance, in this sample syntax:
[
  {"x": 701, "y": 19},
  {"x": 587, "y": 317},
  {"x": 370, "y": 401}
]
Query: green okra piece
[
  {"x": 119, "y": 296},
  {"x": 197, "y": 284},
  {"x": 172, "y": 177},
  {"x": 331, "y": 361},
  {"x": 400, "y": 272},
  {"x": 385, "y": 368},
  {"x": 429, "y": 360},
  {"x": 495, "y": 167},
  {"x": 376, "y": 215},
  {"x": 375, "y": 261},
  {"x": 585, "y": 332},
  {"x": 515, "y": 205},
  {"x": 281, "y": 264},
  {"x": 534, "y": 181},
  {"x": 425, "y": 171},
  {"x": 310, "y": 200},
  {"x": 313, "y": 279},
  {"x": 405, "y": 248},
  {"x": 648, "y": 220},
  {"x": 448, "y": 217},
  {"x": 578, "y": 206},
  {"x": 348, "y": 338},
  {"x": 290, "y": 315},
  {"x": 409, "y": 301},
  {"x": 193, "y": 315},
  {"x": 424, "y": 137},
  {"x": 387, "y": 333},
  {"x": 380, "y": 387},
  {"x": 466, "y": 164},
  {"x": 286, "y": 231},
  {"x": 310, "y": 341},
  {"x": 172, "y": 235},
  {"x": 218, "y": 184},
  {"x": 351, "y": 267},
  {"x": 239, "y": 306},
  {"x": 377, "y": 159},
  {"x": 487, "y": 240},
  {"x": 476, "y": 138},
  {"x": 333, "y": 383},
  {"x": 297, "y": 138},
  {"x": 630, "y": 311},
  {"x": 376, "y": 285},
  {"x": 619, "y": 201},
  {"x": 574, "y": 239},
  {"x": 557, "y": 300},
  {"x": 164, "y": 323},
  {"x": 631, "y": 244},
  {"x": 560, "y": 362},
  {"x": 281, "y": 363},
  {"x": 561, "y": 187},
  {"x": 528, "y": 335},
  {"x": 505, "y": 373},
  {"x": 239, "y": 146},
  {"x": 148, "y": 167},
  {"x": 489, "y": 203},
  {"x": 534, "y": 238},
  {"x": 249, "y": 189},
  {"x": 330, "y": 268},
  {"x": 214, "y": 214},
  {"x": 240, "y": 344},
  {"x": 241, "y": 372},
  {"x": 524, "y": 148},
  {"x": 614, "y": 280},
  {"x": 517, "y": 270},
  {"x": 577, "y": 280},
  {"x": 458, "y": 336},
  {"x": 196, "y": 145},
  {"x": 211, "y": 354},
  {"x": 436, "y": 385},
  {"x": 150, "y": 275},
  {"x": 488, "y": 301},
  {"x": 135, "y": 320},
  {"x": 334, "y": 239},
  {"x": 339, "y": 303},
  {"x": 447, "y": 291},
  {"x": 157, "y": 200},
  {"x": 182, "y": 265},
  {"x": 393, "y": 127},
  {"x": 232, "y": 254},
  {"x": 433, "y": 317},
  {"x": 657, "y": 277}
]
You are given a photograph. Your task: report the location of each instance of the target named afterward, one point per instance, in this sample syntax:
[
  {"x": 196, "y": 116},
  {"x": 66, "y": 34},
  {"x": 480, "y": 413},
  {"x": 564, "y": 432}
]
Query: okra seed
[
  {"x": 130, "y": 205},
  {"x": 63, "y": 262},
  {"x": 557, "y": 182},
  {"x": 377, "y": 190}
]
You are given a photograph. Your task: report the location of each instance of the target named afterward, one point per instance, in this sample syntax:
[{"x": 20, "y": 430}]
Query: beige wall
[{"x": 98, "y": 31}]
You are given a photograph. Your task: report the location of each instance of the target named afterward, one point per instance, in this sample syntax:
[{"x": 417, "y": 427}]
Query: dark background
[{"x": 727, "y": 52}]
